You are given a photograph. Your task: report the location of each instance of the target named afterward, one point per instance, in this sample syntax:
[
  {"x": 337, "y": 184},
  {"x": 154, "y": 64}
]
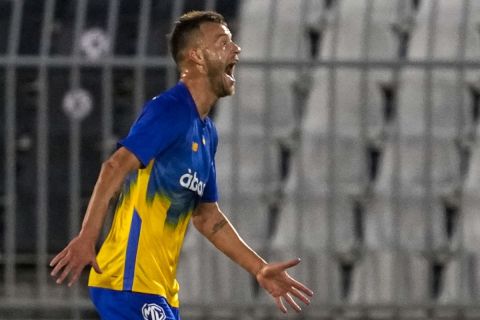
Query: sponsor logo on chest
[{"x": 191, "y": 182}]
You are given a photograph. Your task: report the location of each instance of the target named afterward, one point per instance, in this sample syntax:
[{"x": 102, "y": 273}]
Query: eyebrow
[{"x": 222, "y": 35}]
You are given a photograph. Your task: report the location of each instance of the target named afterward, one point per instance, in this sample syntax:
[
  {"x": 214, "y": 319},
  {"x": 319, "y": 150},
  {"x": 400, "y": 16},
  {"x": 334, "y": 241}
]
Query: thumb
[
  {"x": 96, "y": 267},
  {"x": 290, "y": 263}
]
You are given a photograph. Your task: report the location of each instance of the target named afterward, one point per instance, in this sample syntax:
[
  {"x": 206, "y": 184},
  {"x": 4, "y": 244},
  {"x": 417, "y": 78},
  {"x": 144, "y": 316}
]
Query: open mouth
[{"x": 229, "y": 70}]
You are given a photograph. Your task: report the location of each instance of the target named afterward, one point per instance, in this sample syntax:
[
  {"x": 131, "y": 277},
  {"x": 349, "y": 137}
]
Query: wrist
[
  {"x": 88, "y": 235},
  {"x": 259, "y": 268}
]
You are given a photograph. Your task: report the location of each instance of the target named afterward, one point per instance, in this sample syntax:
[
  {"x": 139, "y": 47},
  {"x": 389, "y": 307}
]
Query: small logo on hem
[{"x": 152, "y": 311}]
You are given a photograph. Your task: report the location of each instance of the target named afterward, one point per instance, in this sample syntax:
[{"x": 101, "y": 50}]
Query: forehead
[{"x": 213, "y": 31}]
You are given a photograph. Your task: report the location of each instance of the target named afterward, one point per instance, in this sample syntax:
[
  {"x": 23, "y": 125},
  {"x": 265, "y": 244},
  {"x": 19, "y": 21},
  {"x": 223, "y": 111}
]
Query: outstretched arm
[
  {"x": 81, "y": 250},
  {"x": 213, "y": 224}
]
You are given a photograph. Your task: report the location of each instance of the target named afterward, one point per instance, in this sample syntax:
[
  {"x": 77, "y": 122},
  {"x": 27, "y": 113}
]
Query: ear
[{"x": 196, "y": 56}]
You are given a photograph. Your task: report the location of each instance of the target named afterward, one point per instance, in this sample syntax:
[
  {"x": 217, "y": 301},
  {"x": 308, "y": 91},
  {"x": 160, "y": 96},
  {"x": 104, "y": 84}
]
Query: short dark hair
[{"x": 185, "y": 25}]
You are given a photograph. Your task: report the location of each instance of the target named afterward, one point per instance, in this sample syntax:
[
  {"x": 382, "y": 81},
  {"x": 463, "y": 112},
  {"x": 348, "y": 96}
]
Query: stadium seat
[
  {"x": 456, "y": 283},
  {"x": 447, "y": 25},
  {"x": 348, "y": 16},
  {"x": 382, "y": 43},
  {"x": 472, "y": 41},
  {"x": 302, "y": 232}
]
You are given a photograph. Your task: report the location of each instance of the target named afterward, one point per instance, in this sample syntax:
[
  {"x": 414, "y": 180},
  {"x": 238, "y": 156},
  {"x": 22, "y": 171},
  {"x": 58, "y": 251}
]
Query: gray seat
[
  {"x": 447, "y": 27},
  {"x": 382, "y": 277},
  {"x": 350, "y": 22},
  {"x": 457, "y": 283},
  {"x": 472, "y": 44},
  {"x": 385, "y": 224},
  {"x": 216, "y": 284}
]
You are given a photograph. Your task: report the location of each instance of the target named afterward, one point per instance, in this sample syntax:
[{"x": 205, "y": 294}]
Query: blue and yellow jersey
[{"x": 176, "y": 148}]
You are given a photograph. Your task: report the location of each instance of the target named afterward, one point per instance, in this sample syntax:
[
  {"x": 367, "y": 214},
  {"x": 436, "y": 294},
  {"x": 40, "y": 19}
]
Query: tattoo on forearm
[{"x": 217, "y": 226}]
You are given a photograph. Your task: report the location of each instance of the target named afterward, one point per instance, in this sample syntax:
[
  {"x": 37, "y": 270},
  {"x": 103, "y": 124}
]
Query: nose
[{"x": 236, "y": 48}]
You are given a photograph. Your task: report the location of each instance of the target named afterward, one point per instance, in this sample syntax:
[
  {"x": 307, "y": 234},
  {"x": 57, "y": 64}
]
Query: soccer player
[{"x": 164, "y": 171}]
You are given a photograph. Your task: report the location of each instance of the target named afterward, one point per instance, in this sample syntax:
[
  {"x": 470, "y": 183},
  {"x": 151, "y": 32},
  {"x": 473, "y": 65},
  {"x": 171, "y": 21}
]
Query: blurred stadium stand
[{"x": 351, "y": 142}]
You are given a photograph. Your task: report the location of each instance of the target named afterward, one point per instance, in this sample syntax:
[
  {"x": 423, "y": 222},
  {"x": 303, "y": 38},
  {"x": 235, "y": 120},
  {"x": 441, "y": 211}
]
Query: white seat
[
  {"x": 250, "y": 218},
  {"x": 470, "y": 231},
  {"x": 444, "y": 163},
  {"x": 351, "y": 25},
  {"x": 303, "y": 224},
  {"x": 288, "y": 31},
  {"x": 447, "y": 26},
  {"x": 366, "y": 285},
  {"x": 384, "y": 224},
  {"x": 413, "y": 127},
  {"x": 379, "y": 223},
  {"x": 192, "y": 287},
  {"x": 472, "y": 43},
  {"x": 445, "y": 103},
  {"x": 254, "y": 28},
  {"x": 411, "y": 103},
  {"x": 472, "y": 182},
  {"x": 412, "y": 165},
  {"x": 220, "y": 280},
  {"x": 317, "y": 112},
  {"x": 470, "y": 224},
  {"x": 223, "y": 164},
  {"x": 302, "y": 232},
  {"x": 456, "y": 281},
  {"x": 382, "y": 43},
  {"x": 348, "y": 111},
  {"x": 344, "y": 225},
  {"x": 419, "y": 35},
  {"x": 251, "y": 97},
  {"x": 350, "y": 165},
  {"x": 317, "y": 270},
  {"x": 381, "y": 277},
  {"x": 375, "y": 101},
  {"x": 384, "y": 183},
  {"x": 417, "y": 222}
]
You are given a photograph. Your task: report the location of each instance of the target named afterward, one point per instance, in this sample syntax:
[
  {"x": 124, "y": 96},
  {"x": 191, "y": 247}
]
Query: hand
[
  {"x": 273, "y": 278},
  {"x": 76, "y": 255}
]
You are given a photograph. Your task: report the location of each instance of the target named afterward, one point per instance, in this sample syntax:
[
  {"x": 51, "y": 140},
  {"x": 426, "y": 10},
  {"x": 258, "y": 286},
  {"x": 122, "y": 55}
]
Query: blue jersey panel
[{"x": 171, "y": 132}]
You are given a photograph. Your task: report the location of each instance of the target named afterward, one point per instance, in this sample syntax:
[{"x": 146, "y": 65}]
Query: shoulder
[
  {"x": 165, "y": 102},
  {"x": 168, "y": 106}
]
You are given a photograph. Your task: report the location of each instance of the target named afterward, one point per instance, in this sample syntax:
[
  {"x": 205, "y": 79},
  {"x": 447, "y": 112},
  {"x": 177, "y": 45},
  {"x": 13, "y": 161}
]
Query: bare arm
[
  {"x": 212, "y": 223},
  {"x": 81, "y": 250}
]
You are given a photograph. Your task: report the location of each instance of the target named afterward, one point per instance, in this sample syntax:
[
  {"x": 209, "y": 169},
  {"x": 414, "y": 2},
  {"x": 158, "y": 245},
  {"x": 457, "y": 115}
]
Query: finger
[
  {"x": 300, "y": 286},
  {"x": 292, "y": 302},
  {"x": 64, "y": 274},
  {"x": 288, "y": 264},
  {"x": 299, "y": 295},
  {"x": 96, "y": 267},
  {"x": 75, "y": 275},
  {"x": 57, "y": 258},
  {"x": 280, "y": 304},
  {"x": 60, "y": 264}
]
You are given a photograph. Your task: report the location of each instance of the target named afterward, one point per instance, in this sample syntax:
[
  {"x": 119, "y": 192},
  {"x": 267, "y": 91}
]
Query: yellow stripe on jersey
[{"x": 141, "y": 252}]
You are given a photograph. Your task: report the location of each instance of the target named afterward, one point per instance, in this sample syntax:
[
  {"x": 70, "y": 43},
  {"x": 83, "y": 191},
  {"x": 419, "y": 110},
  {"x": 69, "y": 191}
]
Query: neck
[{"x": 201, "y": 92}]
